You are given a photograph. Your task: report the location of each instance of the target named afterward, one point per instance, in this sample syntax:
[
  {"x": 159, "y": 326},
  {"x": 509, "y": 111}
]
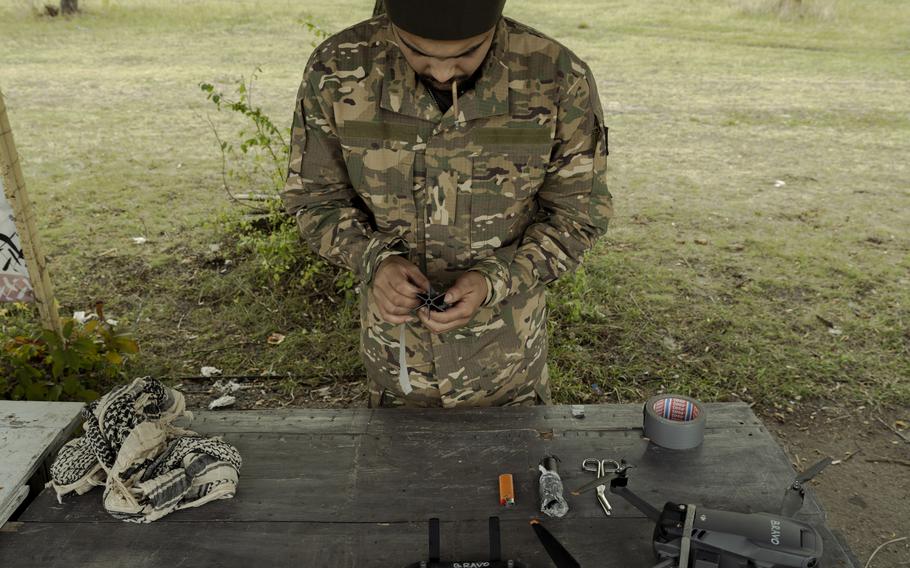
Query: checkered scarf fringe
[{"x": 148, "y": 467}]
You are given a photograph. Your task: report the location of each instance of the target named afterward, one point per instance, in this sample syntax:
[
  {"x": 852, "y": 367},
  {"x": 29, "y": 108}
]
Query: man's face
[{"x": 441, "y": 62}]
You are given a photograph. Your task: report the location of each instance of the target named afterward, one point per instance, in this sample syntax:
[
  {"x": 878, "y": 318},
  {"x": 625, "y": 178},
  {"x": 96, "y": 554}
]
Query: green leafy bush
[
  {"x": 38, "y": 364},
  {"x": 256, "y": 159}
]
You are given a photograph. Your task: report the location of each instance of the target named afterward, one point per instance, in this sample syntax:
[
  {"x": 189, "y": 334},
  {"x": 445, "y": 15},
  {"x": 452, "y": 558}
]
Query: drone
[{"x": 692, "y": 536}]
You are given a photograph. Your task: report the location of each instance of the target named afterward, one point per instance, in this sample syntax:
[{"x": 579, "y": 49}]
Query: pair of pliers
[{"x": 600, "y": 468}]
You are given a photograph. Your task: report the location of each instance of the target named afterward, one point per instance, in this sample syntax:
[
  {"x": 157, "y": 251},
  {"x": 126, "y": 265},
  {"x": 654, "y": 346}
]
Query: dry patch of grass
[{"x": 821, "y": 10}]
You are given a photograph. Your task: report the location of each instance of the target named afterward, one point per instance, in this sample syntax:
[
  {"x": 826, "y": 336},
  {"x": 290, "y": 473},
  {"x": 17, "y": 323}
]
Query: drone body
[{"x": 726, "y": 539}]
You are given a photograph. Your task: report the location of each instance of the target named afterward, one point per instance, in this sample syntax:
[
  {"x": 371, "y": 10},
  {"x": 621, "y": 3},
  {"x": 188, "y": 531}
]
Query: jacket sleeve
[
  {"x": 319, "y": 193},
  {"x": 575, "y": 204}
]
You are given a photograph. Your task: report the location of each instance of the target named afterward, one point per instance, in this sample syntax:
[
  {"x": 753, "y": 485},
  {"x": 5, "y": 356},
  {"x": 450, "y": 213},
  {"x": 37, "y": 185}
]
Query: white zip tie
[{"x": 404, "y": 380}]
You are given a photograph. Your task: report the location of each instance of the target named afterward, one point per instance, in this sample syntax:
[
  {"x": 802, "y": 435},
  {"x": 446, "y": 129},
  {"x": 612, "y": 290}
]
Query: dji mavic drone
[{"x": 696, "y": 537}]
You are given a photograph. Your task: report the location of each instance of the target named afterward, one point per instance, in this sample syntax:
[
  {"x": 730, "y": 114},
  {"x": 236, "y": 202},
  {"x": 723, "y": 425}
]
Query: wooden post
[{"x": 14, "y": 186}]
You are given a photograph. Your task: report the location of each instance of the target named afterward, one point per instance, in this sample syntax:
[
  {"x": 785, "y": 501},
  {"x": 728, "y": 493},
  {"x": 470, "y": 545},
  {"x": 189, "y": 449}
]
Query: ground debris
[
  {"x": 209, "y": 371},
  {"x": 222, "y": 402},
  {"x": 900, "y": 434},
  {"x": 889, "y": 460}
]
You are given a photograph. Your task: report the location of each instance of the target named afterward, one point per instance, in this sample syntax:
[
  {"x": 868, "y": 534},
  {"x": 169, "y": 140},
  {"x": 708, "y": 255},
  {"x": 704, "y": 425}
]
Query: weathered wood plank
[
  {"x": 15, "y": 414},
  {"x": 318, "y": 545},
  {"x": 29, "y": 433},
  {"x": 377, "y": 421},
  {"x": 601, "y": 543},
  {"x": 304, "y": 477}
]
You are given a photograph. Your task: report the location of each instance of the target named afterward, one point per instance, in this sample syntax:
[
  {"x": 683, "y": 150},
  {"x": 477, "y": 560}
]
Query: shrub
[
  {"x": 38, "y": 364},
  {"x": 257, "y": 161}
]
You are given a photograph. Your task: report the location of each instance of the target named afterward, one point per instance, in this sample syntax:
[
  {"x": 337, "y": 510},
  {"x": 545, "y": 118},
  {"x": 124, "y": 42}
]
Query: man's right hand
[{"x": 395, "y": 287}]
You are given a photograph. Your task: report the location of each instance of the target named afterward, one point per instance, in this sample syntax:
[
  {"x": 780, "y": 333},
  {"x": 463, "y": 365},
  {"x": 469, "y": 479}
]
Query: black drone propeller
[
  {"x": 557, "y": 552},
  {"x": 433, "y": 301},
  {"x": 796, "y": 492}
]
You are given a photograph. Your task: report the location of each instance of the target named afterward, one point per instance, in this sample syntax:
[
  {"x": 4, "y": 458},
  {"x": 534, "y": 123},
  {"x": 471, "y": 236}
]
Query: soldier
[{"x": 440, "y": 148}]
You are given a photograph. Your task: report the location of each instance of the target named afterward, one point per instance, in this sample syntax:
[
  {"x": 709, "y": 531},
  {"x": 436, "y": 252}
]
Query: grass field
[{"x": 761, "y": 248}]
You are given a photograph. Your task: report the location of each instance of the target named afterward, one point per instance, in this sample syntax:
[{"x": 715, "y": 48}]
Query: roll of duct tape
[{"x": 674, "y": 421}]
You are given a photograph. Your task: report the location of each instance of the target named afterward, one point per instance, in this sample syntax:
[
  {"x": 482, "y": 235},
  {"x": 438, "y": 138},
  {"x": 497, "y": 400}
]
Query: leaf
[
  {"x": 71, "y": 385},
  {"x": 36, "y": 391},
  {"x": 83, "y": 348},
  {"x": 51, "y": 340},
  {"x": 126, "y": 344},
  {"x": 57, "y": 367},
  {"x": 68, "y": 328},
  {"x": 275, "y": 339},
  {"x": 88, "y": 395},
  {"x": 113, "y": 358}
]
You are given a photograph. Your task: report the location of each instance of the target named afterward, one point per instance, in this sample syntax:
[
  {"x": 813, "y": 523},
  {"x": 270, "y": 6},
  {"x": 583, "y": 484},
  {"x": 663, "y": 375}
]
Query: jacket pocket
[
  {"x": 380, "y": 161},
  {"x": 382, "y": 174},
  {"x": 503, "y": 190}
]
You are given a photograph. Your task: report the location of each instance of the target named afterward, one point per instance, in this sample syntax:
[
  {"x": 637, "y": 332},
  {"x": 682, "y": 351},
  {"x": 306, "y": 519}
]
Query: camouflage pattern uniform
[{"x": 514, "y": 187}]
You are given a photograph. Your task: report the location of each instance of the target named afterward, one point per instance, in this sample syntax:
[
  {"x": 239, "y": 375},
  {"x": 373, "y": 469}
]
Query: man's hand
[
  {"x": 395, "y": 287},
  {"x": 465, "y": 297}
]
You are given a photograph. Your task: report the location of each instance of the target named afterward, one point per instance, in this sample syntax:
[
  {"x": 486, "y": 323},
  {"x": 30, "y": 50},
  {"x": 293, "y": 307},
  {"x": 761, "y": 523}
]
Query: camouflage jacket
[{"x": 514, "y": 186}]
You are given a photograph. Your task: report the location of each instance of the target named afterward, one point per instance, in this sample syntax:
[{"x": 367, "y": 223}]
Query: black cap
[{"x": 445, "y": 19}]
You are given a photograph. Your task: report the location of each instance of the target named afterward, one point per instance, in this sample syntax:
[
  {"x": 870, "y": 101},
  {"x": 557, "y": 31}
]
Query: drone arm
[{"x": 618, "y": 486}]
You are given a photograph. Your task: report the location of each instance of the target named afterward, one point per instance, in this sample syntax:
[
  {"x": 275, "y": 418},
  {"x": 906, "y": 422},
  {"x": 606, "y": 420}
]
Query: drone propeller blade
[
  {"x": 814, "y": 470},
  {"x": 793, "y": 497},
  {"x": 554, "y": 548},
  {"x": 596, "y": 482}
]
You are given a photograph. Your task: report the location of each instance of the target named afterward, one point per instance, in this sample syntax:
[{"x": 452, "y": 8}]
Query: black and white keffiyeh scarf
[{"x": 148, "y": 466}]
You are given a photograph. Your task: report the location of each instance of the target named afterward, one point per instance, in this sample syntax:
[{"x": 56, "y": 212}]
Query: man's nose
[{"x": 442, "y": 73}]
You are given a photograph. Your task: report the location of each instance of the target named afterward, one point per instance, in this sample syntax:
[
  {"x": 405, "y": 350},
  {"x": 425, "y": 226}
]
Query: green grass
[{"x": 715, "y": 279}]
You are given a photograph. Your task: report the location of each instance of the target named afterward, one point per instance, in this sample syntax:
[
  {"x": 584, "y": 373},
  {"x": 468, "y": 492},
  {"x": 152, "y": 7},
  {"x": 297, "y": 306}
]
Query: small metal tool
[{"x": 599, "y": 467}]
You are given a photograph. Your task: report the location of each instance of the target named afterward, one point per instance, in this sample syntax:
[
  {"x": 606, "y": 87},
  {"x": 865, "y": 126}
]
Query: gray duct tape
[{"x": 674, "y": 421}]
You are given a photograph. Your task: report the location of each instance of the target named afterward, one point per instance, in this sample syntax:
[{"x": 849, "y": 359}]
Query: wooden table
[
  {"x": 30, "y": 435},
  {"x": 354, "y": 488}
]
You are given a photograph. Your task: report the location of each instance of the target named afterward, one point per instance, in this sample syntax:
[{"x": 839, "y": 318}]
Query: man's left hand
[{"x": 465, "y": 297}]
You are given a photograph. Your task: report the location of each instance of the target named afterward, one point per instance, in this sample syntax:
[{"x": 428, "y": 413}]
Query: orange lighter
[{"x": 506, "y": 490}]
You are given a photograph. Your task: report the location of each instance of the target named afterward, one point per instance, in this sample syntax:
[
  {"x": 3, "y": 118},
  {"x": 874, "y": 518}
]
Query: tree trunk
[{"x": 69, "y": 7}]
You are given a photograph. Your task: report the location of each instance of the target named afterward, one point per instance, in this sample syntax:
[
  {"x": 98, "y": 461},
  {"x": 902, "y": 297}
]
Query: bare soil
[{"x": 866, "y": 494}]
